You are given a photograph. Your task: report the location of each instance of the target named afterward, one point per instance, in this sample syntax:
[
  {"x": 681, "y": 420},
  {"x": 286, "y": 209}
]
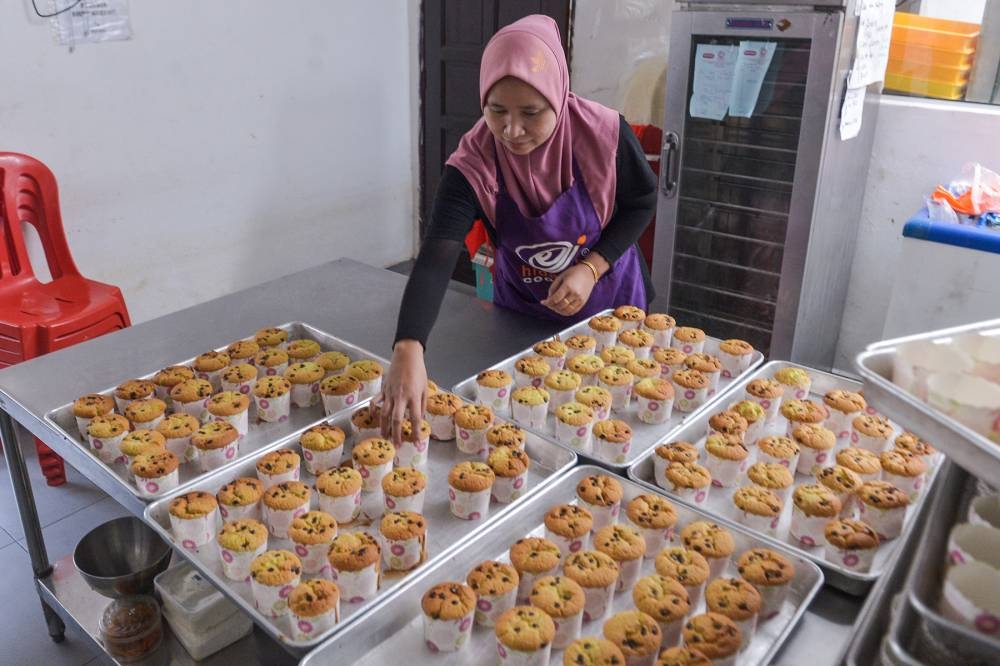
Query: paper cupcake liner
[
  {"x": 274, "y": 410},
  {"x": 660, "y": 466},
  {"x": 873, "y": 444},
  {"x": 717, "y": 566},
  {"x": 612, "y": 452},
  {"x": 754, "y": 432},
  {"x": 808, "y": 530},
  {"x": 472, "y": 442},
  {"x": 597, "y": 602},
  {"x": 524, "y": 379},
  {"x": 621, "y": 396},
  {"x": 601, "y": 413},
  {"x": 214, "y": 378},
  {"x": 653, "y": 411},
  {"x": 209, "y": 459},
  {"x": 507, "y": 489},
  {"x": 656, "y": 538},
  {"x": 512, "y": 657},
  {"x": 122, "y": 403},
  {"x": 602, "y": 515},
  {"x": 108, "y": 449},
  {"x": 307, "y": 628},
  {"x": 969, "y": 597},
  {"x": 357, "y": 586},
  {"x": 603, "y": 338},
  {"x": 532, "y": 416},
  {"x": 577, "y": 437},
  {"x": 764, "y": 524},
  {"x": 857, "y": 560},
  {"x": 848, "y": 504},
  {"x": 688, "y": 347},
  {"x": 469, "y": 506},
  {"x": 567, "y": 630},
  {"x": 317, "y": 462},
  {"x": 343, "y": 509},
  {"x": 747, "y": 629},
  {"x": 447, "y": 635},
  {"x": 338, "y": 403},
  {"x": 812, "y": 460},
  {"x": 148, "y": 425},
  {"x": 412, "y": 454},
  {"x": 527, "y": 581},
  {"x": 725, "y": 473},
  {"x": 497, "y": 399},
  {"x": 372, "y": 505},
  {"x": 974, "y": 543},
  {"x": 791, "y": 463},
  {"x": 233, "y": 513},
  {"x": 191, "y": 533},
  {"x": 272, "y": 600},
  {"x": 274, "y": 479},
  {"x": 81, "y": 425},
  {"x": 558, "y": 398},
  {"x": 271, "y": 371},
  {"x": 839, "y": 423},
  {"x": 313, "y": 556},
  {"x": 769, "y": 405},
  {"x": 687, "y": 399},
  {"x": 305, "y": 395},
  {"x": 670, "y": 633},
  {"x": 985, "y": 510},
  {"x": 414, "y": 502},
  {"x": 888, "y": 523},
  {"x": 696, "y": 593},
  {"x": 361, "y": 434},
  {"x": 236, "y": 563},
  {"x": 401, "y": 554},
  {"x": 246, "y": 388},
  {"x": 628, "y": 574},
  {"x": 163, "y": 393},
  {"x": 911, "y": 485},
  {"x": 734, "y": 365},
  {"x": 661, "y": 337},
  {"x": 696, "y": 496},
  {"x": 149, "y": 488},
  {"x": 489, "y": 607},
  {"x": 279, "y": 520},
  {"x": 442, "y": 426},
  {"x": 772, "y": 598},
  {"x": 713, "y": 381},
  {"x": 568, "y": 545},
  {"x": 182, "y": 448},
  {"x": 587, "y": 379},
  {"x": 370, "y": 387},
  {"x": 571, "y": 352},
  {"x": 642, "y": 352},
  {"x": 372, "y": 475},
  {"x": 195, "y": 408}
]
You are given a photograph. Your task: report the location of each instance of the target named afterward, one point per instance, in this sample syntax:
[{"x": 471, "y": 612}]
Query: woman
[{"x": 563, "y": 188}]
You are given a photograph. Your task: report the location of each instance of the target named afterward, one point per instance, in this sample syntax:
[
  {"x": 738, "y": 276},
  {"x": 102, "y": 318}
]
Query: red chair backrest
[{"x": 28, "y": 193}]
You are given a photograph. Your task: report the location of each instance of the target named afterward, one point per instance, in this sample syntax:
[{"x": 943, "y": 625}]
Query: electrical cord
[{"x": 55, "y": 13}]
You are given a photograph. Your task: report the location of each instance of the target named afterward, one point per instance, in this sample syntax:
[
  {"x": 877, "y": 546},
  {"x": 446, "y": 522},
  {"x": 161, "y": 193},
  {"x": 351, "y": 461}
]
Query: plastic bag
[
  {"x": 940, "y": 211},
  {"x": 975, "y": 192}
]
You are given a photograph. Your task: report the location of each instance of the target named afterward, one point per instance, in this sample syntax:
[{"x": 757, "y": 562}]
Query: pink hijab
[{"x": 530, "y": 50}]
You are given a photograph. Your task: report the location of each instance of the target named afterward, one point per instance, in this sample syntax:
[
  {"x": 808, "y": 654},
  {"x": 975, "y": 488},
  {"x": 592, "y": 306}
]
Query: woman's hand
[
  {"x": 571, "y": 289},
  {"x": 404, "y": 390}
]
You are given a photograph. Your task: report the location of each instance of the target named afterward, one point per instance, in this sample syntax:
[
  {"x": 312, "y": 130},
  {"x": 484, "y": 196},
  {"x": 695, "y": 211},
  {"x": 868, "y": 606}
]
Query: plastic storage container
[
  {"x": 131, "y": 628},
  {"x": 930, "y": 57},
  {"x": 934, "y": 33},
  {"x": 923, "y": 87}
]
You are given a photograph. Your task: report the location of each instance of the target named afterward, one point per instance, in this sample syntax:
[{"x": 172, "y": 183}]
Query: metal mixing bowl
[{"x": 121, "y": 557}]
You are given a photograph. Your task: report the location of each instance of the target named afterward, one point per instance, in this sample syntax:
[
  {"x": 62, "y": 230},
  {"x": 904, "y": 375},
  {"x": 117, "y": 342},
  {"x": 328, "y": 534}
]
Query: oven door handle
[{"x": 670, "y": 154}]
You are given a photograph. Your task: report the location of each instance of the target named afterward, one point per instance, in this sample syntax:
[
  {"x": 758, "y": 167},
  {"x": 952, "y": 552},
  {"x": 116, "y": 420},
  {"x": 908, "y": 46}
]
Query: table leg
[{"x": 25, "y": 499}]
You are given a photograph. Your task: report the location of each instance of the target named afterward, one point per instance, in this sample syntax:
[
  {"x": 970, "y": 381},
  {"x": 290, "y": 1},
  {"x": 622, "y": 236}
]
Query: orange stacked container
[{"x": 930, "y": 57}]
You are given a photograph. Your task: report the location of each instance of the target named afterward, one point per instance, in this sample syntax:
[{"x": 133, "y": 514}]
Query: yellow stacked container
[{"x": 930, "y": 57}]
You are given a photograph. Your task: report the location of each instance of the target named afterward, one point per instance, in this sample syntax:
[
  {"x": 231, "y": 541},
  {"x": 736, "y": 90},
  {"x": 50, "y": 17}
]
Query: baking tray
[
  {"x": 966, "y": 447},
  {"x": 644, "y": 435},
  {"x": 260, "y": 435},
  {"x": 388, "y": 633},
  {"x": 720, "y": 506},
  {"x": 548, "y": 462},
  {"x": 896, "y": 653}
]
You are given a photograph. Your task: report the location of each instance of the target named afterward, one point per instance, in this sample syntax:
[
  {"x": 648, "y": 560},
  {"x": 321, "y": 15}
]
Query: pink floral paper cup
[
  {"x": 307, "y": 628},
  {"x": 671, "y": 633},
  {"x": 469, "y": 506},
  {"x": 717, "y": 566},
  {"x": 747, "y": 629},
  {"x": 603, "y": 515},
  {"x": 272, "y": 370},
  {"x": 511, "y": 657},
  {"x": 764, "y": 524},
  {"x": 442, "y": 426},
  {"x": 279, "y": 520},
  {"x": 236, "y": 563},
  {"x": 210, "y": 459},
  {"x": 507, "y": 489},
  {"x": 612, "y": 452},
  {"x": 527, "y": 581},
  {"x": 317, "y": 462},
  {"x": 696, "y": 496},
  {"x": 150, "y": 488},
  {"x": 182, "y": 448},
  {"x": 108, "y": 449},
  {"x": 532, "y": 416},
  {"x": 568, "y": 545},
  {"x": 839, "y": 423},
  {"x": 497, "y": 399},
  {"x": 653, "y": 412},
  {"x": 714, "y": 377},
  {"x": 489, "y": 607},
  {"x": 558, "y": 398},
  {"x": 567, "y": 630},
  {"x": 577, "y": 437},
  {"x": 911, "y": 485},
  {"x": 808, "y": 530},
  {"x": 246, "y": 388},
  {"x": 148, "y": 425},
  {"x": 401, "y": 554},
  {"x": 725, "y": 473},
  {"x": 734, "y": 365},
  {"x": 414, "y": 502},
  {"x": 974, "y": 543},
  {"x": 214, "y": 378},
  {"x": 661, "y": 336},
  {"x": 372, "y": 475},
  {"x": 447, "y": 635},
  {"x": 985, "y": 510},
  {"x": 769, "y": 405},
  {"x": 688, "y": 400},
  {"x": 232, "y": 513},
  {"x": 660, "y": 466},
  {"x": 273, "y": 410},
  {"x": 472, "y": 441},
  {"x": 791, "y": 462},
  {"x": 971, "y": 596},
  {"x": 628, "y": 574},
  {"x": 370, "y": 387},
  {"x": 274, "y": 479},
  {"x": 361, "y": 434},
  {"x": 192, "y": 533},
  {"x": 696, "y": 593},
  {"x": 621, "y": 396},
  {"x": 333, "y": 404},
  {"x": 412, "y": 454},
  {"x": 858, "y": 560},
  {"x": 656, "y": 539},
  {"x": 524, "y": 379},
  {"x": 597, "y": 602},
  {"x": 356, "y": 586},
  {"x": 772, "y": 598},
  {"x": 603, "y": 338},
  {"x": 272, "y": 600},
  {"x": 688, "y": 347},
  {"x": 888, "y": 523},
  {"x": 305, "y": 395},
  {"x": 344, "y": 509},
  {"x": 313, "y": 556},
  {"x": 869, "y": 443},
  {"x": 813, "y": 460},
  {"x": 81, "y": 425}
]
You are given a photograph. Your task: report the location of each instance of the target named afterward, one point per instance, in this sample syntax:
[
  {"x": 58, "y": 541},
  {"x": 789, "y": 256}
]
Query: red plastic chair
[{"x": 39, "y": 317}]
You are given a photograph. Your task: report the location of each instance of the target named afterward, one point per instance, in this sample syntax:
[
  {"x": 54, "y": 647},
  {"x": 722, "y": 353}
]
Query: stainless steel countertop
[{"x": 358, "y": 303}]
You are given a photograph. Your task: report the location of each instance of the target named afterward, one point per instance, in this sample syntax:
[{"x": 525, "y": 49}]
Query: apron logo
[{"x": 553, "y": 257}]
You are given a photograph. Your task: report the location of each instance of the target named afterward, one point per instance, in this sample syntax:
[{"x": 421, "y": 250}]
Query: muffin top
[
  {"x": 726, "y": 447},
  {"x": 492, "y": 578},
  {"x": 323, "y": 437},
  {"x": 506, "y": 434},
  {"x": 145, "y": 410},
  {"x": 605, "y": 323},
  {"x": 142, "y": 441},
  {"x": 845, "y": 402},
  {"x": 669, "y": 356},
  {"x": 593, "y": 651},
  {"x": 629, "y": 313},
  {"x": 777, "y": 446},
  {"x": 599, "y": 490},
  {"x": 757, "y": 501},
  {"x": 448, "y": 601},
  {"x": 367, "y": 417},
  {"x": 736, "y": 347},
  {"x": 304, "y": 372},
  {"x": 581, "y": 342},
  {"x": 635, "y": 338},
  {"x": 712, "y": 634},
  {"x": 228, "y": 403},
  {"x": 508, "y": 462},
  {"x": 651, "y": 511},
  {"x": 914, "y": 444},
  {"x": 313, "y": 527},
  {"x": 191, "y": 390},
  {"x": 214, "y": 435},
  {"x": 643, "y": 368},
  {"x": 659, "y": 321},
  {"x": 688, "y": 334},
  {"x": 691, "y": 379},
  {"x": 621, "y": 542},
  {"x": 683, "y": 656},
  {"x": 474, "y": 417},
  {"x": 525, "y": 628},
  {"x": 883, "y": 495},
  {"x": 494, "y": 378},
  {"x": 373, "y": 451},
  {"x": 677, "y": 452},
  {"x": 591, "y": 568},
  {"x": 339, "y": 482},
  {"x": 839, "y": 479},
  {"x": 287, "y": 495},
  {"x": 872, "y": 425},
  {"x": 402, "y": 525},
  {"x": 574, "y": 413},
  {"x": 365, "y": 370},
  {"x": 443, "y": 403},
  {"x": 707, "y": 538},
  {"x": 814, "y": 436},
  {"x": 314, "y": 597},
  {"x": 751, "y": 411},
  {"x": 241, "y": 491},
  {"x": 242, "y": 350},
  {"x": 530, "y": 395},
  {"x": 585, "y": 364},
  {"x": 240, "y": 373},
  {"x": 271, "y": 387},
  {"x": 93, "y": 404},
  {"x": 765, "y": 388},
  {"x": 733, "y": 597},
  {"x": 569, "y": 520},
  {"x": 688, "y": 566},
  {"x": 135, "y": 389},
  {"x": 278, "y": 462},
  {"x": 594, "y": 397},
  {"x": 654, "y": 389},
  {"x": 333, "y": 361},
  {"x": 563, "y": 380},
  {"x": 404, "y": 482},
  {"x": 664, "y": 599},
  {"x": 703, "y": 362},
  {"x": 814, "y": 499},
  {"x": 617, "y": 355},
  {"x": 244, "y": 535},
  {"x": 636, "y": 633},
  {"x": 902, "y": 463},
  {"x": 772, "y": 476},
  {"x": 534, "y": 555},
  {"x": 339, "y": 385},
  {"x": 107, "y": 426},
  {"x": 559, "y": 596},
  {"x": 533, "y": 366},
  {"x": 154, "y": 464},
  {"x": 551, "y": 348},
  {"x": 615, "y": 375},
  {"x": 688, "y": 475},
  {"x": 763, "y": 566},
  {"x": 791, "y": 376},
  {"x": 193, "y": 505},
  {"x": 803, "y": 411},
  {"x": 613, "y": 430},
  {"x": 858, "y": 460},
  {"x": 271, "y": 358},
  {"x": 728, "y": 423},
  {"x": 270, "y": 337},
  {"x": 847, "y": 534},
  {"x": 303, "y": 349},
  {"x": 471, "y": 476},
  {"x": 211, "y": 361},
  {"x": 173, "y": 375},
  {"x": 276, "y": 567},
  {"x": 354, "y": 551}
]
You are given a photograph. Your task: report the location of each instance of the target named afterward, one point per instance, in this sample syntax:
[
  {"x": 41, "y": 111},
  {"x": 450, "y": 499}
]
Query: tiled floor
[{"x": 67, "y": 513}]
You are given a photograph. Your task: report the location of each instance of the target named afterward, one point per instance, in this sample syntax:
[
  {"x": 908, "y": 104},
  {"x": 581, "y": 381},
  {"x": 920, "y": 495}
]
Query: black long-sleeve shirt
[{"x": 456, "y": 207}]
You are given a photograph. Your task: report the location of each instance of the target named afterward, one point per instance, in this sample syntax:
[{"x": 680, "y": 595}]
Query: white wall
[
  {"x": 225, "y": 144},
  {"x": 918, "y": 144}
]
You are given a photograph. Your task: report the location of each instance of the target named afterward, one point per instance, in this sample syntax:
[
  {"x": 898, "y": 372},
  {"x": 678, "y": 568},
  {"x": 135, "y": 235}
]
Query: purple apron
[{"x": 532, "y": 251}]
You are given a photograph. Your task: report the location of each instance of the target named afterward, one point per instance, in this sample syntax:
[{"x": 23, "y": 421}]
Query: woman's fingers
[{"x": 398, "y": 412}]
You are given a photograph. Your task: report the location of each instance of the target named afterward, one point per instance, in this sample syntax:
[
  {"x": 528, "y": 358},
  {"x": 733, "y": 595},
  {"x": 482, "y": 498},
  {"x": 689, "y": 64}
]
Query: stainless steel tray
[
  {"x": 720, "y": 506},
  {"x": 643, "y": 434},
  {"x": 969, "y": 449},
  {"x": 548, "y": 462},
  {"x": 388, "y": 633},
  {"x": 261, "y": 434}
]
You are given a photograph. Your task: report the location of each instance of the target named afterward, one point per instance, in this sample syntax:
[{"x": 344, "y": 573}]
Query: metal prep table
[{"x": 347, "y": 298}]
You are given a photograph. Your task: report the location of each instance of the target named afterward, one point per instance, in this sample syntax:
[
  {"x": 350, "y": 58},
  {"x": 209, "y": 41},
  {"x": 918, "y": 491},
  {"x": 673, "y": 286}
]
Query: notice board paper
[
  {"x": 871, "y": 54},
  {"x": 751, "y": 66},
  {"x": 93, "y": 21},
  {"x": 850, "y": 113},
  {"x": 714, "y": 66}
]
